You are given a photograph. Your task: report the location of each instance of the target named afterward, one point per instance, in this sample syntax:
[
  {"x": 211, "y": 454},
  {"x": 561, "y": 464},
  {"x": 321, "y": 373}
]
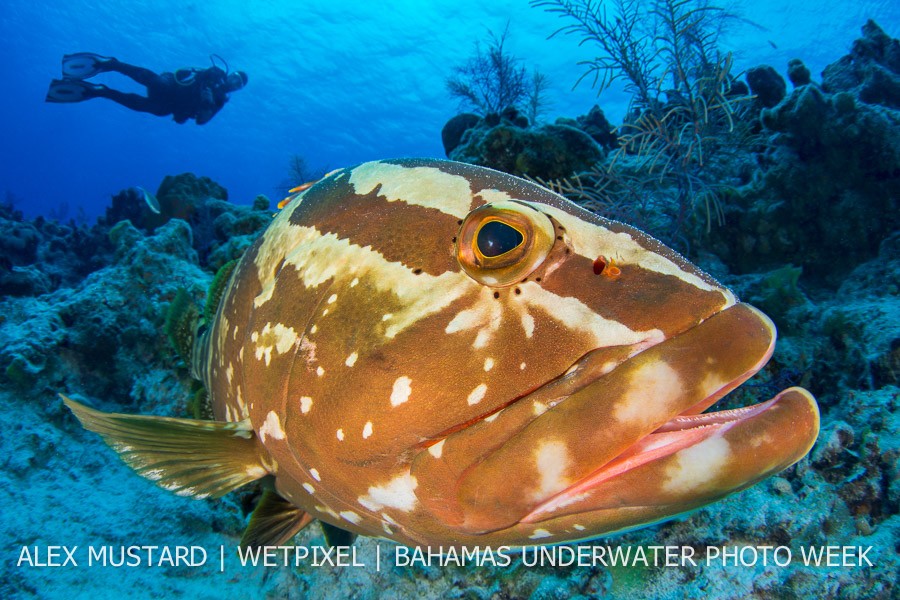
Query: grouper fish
[{"x": 441, "y": 354}]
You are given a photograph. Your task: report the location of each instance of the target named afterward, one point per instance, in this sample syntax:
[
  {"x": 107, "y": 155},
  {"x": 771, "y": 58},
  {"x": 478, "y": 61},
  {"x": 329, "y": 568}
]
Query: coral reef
[
  {"x": 180, "y": 196},
  {"x": 452, "y": 133},
  {"x": 687, "y": 124},
  {"x": 39, "y": 256},
  {"x": 95, "y": 299},
  {"x": 826, "y": 193},
  {"x": 96, "y": 327},
  {"x": 798, "y": 72},
  {"x": 871, "y": 71},
  {"x": 221, "y": 230},
  {"x": 501, "y": 136},
  {"x": 492, "y": 80},
  {"x": 595, "y": 124},
  {"x": 99, "y": 335},
  {"x": 767, "y": 85},
  {"x": 505, "y": 142}
]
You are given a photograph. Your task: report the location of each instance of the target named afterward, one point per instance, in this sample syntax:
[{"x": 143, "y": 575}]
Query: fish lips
[{"x": 631, "y": 435}]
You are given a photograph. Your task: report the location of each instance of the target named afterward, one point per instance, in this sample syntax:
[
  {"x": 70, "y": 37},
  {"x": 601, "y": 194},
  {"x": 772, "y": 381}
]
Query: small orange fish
[{"x": 295, "y": 191}]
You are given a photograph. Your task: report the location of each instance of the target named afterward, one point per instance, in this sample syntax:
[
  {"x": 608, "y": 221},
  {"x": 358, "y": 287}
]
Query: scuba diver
[{"x": 190, "y": 93}]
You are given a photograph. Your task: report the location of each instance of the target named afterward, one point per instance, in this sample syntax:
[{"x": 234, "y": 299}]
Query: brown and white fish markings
[{"x": 438, "y": 353}]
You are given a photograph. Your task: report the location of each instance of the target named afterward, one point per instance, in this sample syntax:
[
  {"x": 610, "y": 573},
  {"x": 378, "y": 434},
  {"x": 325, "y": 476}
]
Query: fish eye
[
  {"x": 496, "y": 237},
  {"x": 501, "y": 243}
]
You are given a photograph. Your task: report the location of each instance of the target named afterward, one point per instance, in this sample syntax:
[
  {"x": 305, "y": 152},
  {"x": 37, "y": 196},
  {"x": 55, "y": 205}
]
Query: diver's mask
[{"x": 235, "y": 80}]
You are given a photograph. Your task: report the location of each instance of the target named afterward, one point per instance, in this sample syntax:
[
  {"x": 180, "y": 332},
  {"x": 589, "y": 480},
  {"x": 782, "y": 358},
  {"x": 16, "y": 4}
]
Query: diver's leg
[
  {"x": 139, "y": 74},
  {"x": 132, "y": 101}
]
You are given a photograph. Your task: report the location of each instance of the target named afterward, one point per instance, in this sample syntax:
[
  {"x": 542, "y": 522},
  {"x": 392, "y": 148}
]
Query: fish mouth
[
  {"x": 694, "y": 457},
  {"x": 613, "y": 444},
  {"x": 680, "y": 436}
]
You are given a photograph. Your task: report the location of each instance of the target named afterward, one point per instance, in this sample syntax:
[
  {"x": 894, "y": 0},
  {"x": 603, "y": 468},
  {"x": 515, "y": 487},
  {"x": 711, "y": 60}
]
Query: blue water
[{"x": 336, "y": 83}]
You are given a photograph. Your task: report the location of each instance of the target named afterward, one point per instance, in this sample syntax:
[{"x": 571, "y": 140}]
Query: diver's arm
[
  {"x": 211, "y": 102},
  {"x": 207, "y": 113}
]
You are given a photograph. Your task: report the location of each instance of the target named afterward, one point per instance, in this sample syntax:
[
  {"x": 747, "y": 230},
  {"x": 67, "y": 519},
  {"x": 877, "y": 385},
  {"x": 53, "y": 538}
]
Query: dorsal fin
[
  {"x": 274, "y": 522},
  {"x": 186, "y": 456},
  {"x": 217, "y": 290},
  {"x": 181, "y": 322}
]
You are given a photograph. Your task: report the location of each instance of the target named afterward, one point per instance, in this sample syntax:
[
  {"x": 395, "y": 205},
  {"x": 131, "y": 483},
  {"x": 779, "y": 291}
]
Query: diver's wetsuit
[{"x": 200, "y": 97}]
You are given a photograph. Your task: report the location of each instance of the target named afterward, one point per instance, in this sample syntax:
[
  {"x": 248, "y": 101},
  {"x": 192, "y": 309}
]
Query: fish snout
[{"x": 630, "y": 446}]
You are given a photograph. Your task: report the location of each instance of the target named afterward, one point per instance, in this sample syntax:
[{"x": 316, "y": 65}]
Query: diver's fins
[
  {"x": 65, "y": 90},
  {"x": 82, "y": 65},
  {"x": 274, "y": 522}
]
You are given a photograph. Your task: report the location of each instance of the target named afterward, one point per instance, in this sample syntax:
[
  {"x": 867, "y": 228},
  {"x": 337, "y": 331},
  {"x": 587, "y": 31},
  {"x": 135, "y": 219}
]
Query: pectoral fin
[
  {"x": 187, "y": 456},
  {"x": 274, "y": 522}
]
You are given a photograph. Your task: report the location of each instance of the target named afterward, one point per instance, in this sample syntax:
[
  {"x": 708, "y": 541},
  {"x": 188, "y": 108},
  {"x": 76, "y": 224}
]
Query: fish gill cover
[{"x": 784, "y": 188}]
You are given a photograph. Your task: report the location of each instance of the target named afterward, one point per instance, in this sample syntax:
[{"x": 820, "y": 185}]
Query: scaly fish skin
[{"x": 438, "y": 353}]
